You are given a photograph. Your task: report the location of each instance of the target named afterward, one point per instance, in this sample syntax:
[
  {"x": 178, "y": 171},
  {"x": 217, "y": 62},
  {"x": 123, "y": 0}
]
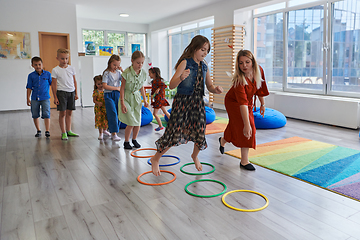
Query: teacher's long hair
[{"x": 239, "y": 76}]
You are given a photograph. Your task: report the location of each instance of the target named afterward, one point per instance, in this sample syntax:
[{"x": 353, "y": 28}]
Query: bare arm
[
  {"x": 122, "y": 92},
  {"x": 244, "y": 110},
  {"x": 262, "y": 107},
  {"x": 75, "y": 84},
  {"x": 54, "y": 90},
  {"x": 112, "y": 88},
  {"x": 210, "y": 86},
  {"x": 142, "y": 91},
  {"x": 179, "y": 75},
  {"x": 28, "y": 93}
]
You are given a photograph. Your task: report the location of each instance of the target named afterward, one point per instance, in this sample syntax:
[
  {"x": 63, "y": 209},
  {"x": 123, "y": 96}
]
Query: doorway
[{"x": 49, "y": 43}]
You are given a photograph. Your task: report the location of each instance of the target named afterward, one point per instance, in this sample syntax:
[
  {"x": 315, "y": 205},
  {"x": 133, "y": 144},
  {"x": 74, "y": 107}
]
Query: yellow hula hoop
[{"x": 245, "y": 210}]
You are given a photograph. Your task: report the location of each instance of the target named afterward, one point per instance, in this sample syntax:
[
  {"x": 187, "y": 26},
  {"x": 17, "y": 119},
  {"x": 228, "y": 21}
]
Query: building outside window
[{"x": 321, "y": 57}]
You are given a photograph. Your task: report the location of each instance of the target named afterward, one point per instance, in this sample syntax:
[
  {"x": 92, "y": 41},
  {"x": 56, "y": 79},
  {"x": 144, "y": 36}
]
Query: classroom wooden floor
[{"x": 84, "y": 188}]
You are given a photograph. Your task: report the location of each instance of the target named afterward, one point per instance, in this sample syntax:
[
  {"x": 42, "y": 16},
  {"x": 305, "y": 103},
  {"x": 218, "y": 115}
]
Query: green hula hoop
[
  {"x": 205, "y": 196},
  {"x": 186, "y": 164}
]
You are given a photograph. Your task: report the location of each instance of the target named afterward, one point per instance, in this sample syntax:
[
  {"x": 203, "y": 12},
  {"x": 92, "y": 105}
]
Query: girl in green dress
[{"x": 132, "y": 81}]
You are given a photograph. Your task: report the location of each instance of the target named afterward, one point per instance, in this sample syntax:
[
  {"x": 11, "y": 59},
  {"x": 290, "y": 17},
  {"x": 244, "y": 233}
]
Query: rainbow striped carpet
[
  {"x": 217, "y": 126},
  {"x": 328, "y": 166}
]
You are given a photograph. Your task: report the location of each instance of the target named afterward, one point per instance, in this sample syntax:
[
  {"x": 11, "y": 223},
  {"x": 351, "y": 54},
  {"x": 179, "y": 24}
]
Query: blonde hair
[
  {"x": 63, "y": 50},
  {"x": 239, "y": 76}
]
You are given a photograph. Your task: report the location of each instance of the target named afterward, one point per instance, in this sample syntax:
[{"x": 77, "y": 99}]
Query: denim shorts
[
  {"x": 45, "y": 108},
  {"x": 66, "y": 100}
]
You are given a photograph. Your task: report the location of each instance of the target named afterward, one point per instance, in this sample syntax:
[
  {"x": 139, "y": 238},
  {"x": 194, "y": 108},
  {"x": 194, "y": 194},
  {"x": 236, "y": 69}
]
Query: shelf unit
[{"x": 226, "y": 42}]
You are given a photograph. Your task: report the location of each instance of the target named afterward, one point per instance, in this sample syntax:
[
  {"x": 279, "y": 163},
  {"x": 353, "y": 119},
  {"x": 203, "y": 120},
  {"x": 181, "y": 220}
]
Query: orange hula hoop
[
  {"x": 156, "y": 184},
  {"x": 132, "y": 153}
]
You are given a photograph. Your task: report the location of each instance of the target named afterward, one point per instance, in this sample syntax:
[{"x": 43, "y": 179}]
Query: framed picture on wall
[
  {"x": 105, "y": 50},
  {"x": 135, "y": 47},
  {"x": 89, "y": 48},
  {"x": 15, "y": 45},
  {"x": 121, "y": 50}
]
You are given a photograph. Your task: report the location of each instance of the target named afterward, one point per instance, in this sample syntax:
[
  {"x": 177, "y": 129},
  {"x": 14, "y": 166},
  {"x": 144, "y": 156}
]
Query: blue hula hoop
[{"x": 167, "y": 165}]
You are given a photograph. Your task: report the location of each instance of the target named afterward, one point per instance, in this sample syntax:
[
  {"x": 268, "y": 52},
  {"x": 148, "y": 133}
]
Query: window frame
[
  {"x": 327, "y": 47},
  {"x": 106, "y": 42}
]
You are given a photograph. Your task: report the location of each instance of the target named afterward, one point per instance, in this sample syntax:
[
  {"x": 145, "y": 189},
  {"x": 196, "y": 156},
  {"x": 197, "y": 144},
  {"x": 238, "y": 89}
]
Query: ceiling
[{"x": 140, "y": 11}]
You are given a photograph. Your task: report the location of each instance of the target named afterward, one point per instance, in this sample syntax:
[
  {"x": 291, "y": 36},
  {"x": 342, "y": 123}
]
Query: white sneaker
[
  {"x": 106, "y": 133},
  {"x": 100, "y": 137},
  {"x": 115, "y": 138}
]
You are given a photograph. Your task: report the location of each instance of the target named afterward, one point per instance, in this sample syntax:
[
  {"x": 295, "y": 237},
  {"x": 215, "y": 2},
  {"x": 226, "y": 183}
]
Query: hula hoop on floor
[
  {"x": 205, "y": 180},
  {"x": 156, "y": 184},
  {"x": 186, "y": 164},
  {"x": 245, "y": 210},
  {"x": 132, "y": 153},
  {"x": 169, "y": 164}
]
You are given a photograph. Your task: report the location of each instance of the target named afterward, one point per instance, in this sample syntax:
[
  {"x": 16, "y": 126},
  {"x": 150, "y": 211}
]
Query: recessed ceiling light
[{"x": 123, "y": 15}]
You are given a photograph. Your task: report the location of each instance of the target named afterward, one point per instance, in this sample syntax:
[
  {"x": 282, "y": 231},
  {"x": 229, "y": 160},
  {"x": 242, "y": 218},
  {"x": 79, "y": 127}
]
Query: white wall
[
  {"x": 34, "y": 16},
  {"x": 223, "y": 13}
]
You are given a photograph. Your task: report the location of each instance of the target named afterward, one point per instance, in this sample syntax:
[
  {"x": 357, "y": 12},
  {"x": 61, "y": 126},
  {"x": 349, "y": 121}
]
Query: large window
[
  {"x": 304, "y": 48},
  {"x": 269, "y": 48},
  {"x": 180, "y": 37},
  {"x": 320, "y": 56},
  {"x": 346, "y": 46},
  {"x": 122, "y": 43}
]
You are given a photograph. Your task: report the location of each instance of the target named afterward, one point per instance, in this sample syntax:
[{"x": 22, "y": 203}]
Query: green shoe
[
  {"x": 64, "y": 136},
  {"x": 71, "y": 134}
]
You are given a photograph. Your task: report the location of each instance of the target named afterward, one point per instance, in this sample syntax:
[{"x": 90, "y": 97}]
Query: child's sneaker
[
  {"x": 106, "y": 133},
  {"x": 47, "y": 134},
  {"x": 115, "y": 138},
  {"x": 71, "y": 134},
  {"x": 127, "y": 145},
  {"x": 100, "y": 137},
  {"x": 38, "y": 134},
  {"x": 64, "y": 136},
  {"x": 159, "y": 128},
  {"x": 136, "y": 144}
]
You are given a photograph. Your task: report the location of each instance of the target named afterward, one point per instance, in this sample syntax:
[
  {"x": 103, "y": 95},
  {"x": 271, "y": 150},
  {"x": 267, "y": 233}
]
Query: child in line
[
  {"x": 248, "y": 80},
  {"x": 187, "y": 120},
  {"x": 100, "y": 112},
  {"x": 38, "y": 85},
  {"x": 111, "y": 83},
  {"x": 158, "y": 91},
  {"x": 133, "y": 79},
  {"x": 64, "y": 87}
]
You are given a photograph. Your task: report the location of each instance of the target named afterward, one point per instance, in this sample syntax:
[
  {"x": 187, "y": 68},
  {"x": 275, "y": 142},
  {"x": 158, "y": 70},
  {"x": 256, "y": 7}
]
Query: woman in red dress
[{"x": 248, "y": 80}]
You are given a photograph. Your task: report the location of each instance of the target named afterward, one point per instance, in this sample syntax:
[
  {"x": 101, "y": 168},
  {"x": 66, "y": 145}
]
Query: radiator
[{"x": 331, "y": 110}]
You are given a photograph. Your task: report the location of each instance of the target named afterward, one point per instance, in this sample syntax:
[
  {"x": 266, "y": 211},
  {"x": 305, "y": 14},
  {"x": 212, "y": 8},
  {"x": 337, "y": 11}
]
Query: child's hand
[
  {"x": 76, "y": 97},
  {"x": 99, "y": 104},
  {"x": 157, "y": 91},
  {"x": 185, "y": 74},
  {"x": 218, "y": 89},
  {"x": 146, "y": 104},
  {"x": 56, "y": 101},
  {"x": 120, "y": 68},
  {"x": 123, "y": 108},
  {"x": 28, "y": 102}
]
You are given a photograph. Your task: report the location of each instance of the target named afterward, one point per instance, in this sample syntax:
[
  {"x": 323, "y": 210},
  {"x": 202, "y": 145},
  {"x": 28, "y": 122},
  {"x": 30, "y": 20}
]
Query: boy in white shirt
[{"x": 64, "y": 88}]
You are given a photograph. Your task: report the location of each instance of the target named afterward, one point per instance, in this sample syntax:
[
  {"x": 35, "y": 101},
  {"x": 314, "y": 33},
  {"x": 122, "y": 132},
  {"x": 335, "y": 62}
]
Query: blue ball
[
  {"x": 209, "y": 113},
  {"x": 146, "y": 117},
  {"x": 271, "y": 119}
]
